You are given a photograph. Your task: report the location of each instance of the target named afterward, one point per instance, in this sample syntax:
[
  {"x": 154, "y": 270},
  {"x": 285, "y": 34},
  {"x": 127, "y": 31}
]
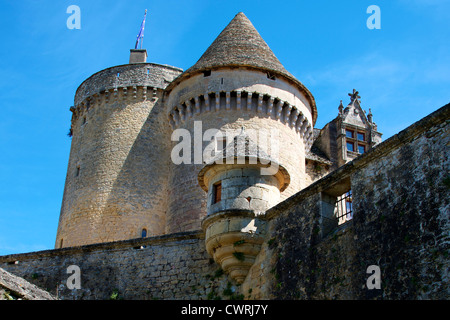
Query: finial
[
  {"x": 354, "y": 96},
  {"x": 369, "y": 116},
  {"x": 341, "y": 108}
]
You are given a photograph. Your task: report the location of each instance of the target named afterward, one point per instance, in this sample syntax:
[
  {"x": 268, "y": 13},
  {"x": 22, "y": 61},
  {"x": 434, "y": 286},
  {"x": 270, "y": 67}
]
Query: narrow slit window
[{"x": 217, "y": 192}]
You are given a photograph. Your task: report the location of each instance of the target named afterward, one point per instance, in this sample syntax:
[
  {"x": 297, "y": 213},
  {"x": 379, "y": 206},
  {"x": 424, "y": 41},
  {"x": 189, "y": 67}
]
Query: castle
[{"x": 213, "y": 182}]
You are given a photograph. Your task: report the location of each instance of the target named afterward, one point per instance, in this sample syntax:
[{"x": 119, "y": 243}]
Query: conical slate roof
[{"x": 240, "y": 45}]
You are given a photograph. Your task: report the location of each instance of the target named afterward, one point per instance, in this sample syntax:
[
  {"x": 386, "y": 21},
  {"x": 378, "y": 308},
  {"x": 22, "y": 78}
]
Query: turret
[{"x": 242, "y": 182}]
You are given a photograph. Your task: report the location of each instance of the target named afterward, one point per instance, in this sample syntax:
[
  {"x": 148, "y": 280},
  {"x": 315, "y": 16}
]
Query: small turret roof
[
  {"x": 242, "y": 147},
  {"x": 244, "y": 150}
]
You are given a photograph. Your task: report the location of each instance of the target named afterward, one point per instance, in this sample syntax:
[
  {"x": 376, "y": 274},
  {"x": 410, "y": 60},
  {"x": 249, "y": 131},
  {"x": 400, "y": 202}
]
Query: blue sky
[{"x": 402, "y": 72}]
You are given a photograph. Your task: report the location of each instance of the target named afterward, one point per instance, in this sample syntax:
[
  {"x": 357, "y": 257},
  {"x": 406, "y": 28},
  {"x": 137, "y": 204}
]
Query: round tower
[
  {"x": 238, "y": 82},
  {"x": 117, "y": 175}
]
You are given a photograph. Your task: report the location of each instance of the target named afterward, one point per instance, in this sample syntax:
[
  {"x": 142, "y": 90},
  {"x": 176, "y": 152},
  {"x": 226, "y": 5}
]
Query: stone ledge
[{"x": 122, "y": 244}]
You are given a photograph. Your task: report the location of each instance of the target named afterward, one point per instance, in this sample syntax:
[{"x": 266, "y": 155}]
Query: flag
[{"x": 140, "y": 36}]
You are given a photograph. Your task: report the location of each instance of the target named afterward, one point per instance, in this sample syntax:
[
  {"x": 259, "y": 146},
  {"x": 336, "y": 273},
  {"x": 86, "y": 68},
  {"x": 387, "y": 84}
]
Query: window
[
  {"x": 217, "y": 192},
  {"x": 361, "y": 136},
  {"x": 350, "y": 146},
  {"x": 206, "y": 73},
  {"x": 144, "y": 233},
  {"x": 336, "y": 206},
  {"x": 344, "y": 208},
  {"x": 349, "y": 133},
  {"x": 361, "y": 148},
  {"x": 271, "y": 76},
  {"x": 356, "y": 140},
  {"x": 77, "y": 172}
]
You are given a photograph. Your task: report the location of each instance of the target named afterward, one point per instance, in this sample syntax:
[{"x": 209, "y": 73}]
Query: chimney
[{"x": 138, "y": 56}]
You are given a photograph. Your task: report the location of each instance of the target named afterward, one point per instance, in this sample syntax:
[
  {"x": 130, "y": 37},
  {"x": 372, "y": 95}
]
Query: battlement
[
  {"x": 126, "y": 76},
  {"x": 261, "y": 104}
]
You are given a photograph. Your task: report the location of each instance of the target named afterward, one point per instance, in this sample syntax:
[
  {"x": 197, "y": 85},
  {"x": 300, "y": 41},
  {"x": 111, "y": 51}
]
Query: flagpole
[
  {"x": 140, "y": 37},
  {"x": 145, "y": 17}
]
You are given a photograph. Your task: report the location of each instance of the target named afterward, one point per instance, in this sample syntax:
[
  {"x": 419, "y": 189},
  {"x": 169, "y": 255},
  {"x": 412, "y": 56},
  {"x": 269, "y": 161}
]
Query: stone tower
[
  {"x": 238, "y": 82},
  {"x": 117, "y": 176}
]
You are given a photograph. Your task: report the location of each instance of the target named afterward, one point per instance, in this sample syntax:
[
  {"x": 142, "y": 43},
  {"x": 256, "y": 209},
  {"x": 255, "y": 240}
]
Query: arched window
[{"x": 144, "y": 233}]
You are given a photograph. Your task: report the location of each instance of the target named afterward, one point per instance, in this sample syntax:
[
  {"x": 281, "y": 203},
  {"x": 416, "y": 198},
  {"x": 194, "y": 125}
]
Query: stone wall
[{"x": 166, "y": 267}]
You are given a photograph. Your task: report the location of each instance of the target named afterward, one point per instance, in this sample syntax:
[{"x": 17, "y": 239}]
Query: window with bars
[{"x": 343, "y": 208}]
